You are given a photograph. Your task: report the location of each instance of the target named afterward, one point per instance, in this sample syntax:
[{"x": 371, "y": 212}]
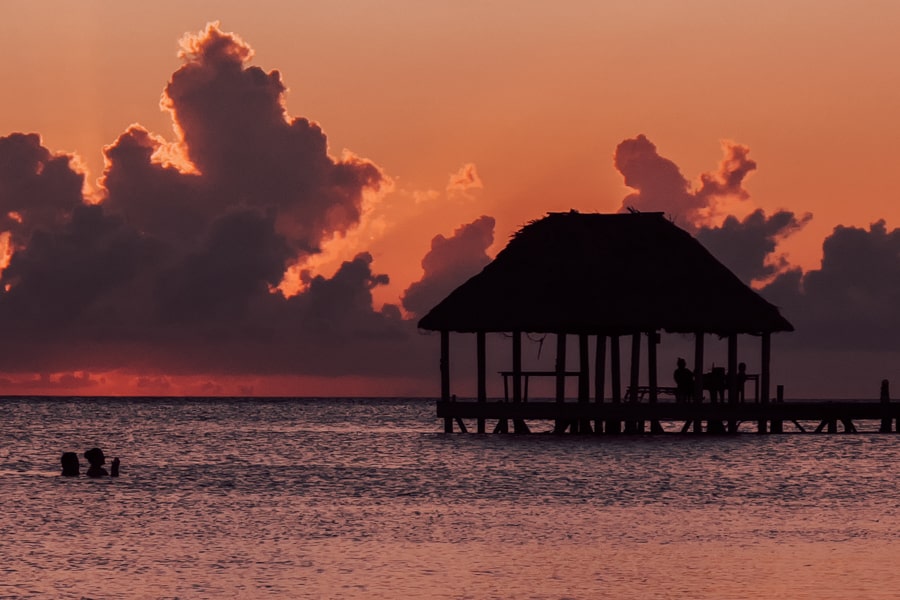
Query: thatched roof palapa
[{"x": 611, "y": 274}]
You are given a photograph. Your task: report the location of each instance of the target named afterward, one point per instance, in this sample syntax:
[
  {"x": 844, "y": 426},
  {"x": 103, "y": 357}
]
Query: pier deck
[{"x": 632, "y": 417}]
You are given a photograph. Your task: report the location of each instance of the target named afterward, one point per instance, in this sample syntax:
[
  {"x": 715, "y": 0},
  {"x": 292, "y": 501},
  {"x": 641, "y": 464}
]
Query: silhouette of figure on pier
[
  {"x": 70, "y": 465},
  {"x": 684, "y": 382},
  {"x": 715, "y": 382},
  {"x": 739, "y": 383}
]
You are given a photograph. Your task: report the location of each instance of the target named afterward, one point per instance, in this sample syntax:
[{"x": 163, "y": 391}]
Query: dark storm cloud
[
  {"x": 852, "y": 300},
  {"x": 65, "y": 278},
  {"x": 38, "y": 189},
  {"x": 176, "y": 270},
  {"x": 449, "y": 263},
  {"x": 747, "y": 246}
]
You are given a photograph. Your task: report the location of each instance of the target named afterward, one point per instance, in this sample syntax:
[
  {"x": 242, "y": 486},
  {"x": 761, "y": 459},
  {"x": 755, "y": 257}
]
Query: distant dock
[{"x": 610, "y": 418}]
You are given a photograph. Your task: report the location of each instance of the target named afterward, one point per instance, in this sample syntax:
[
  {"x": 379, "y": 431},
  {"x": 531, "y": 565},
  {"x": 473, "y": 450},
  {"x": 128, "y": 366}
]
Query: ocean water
[{"x": 345, "y": 498}]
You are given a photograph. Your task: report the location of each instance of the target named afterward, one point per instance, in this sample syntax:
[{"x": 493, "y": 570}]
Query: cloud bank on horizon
[
  {"x": 175, "y": 267},
  {"x": 849, "y": 303}
]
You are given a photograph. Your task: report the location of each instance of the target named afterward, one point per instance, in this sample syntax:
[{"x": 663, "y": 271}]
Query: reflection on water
[{"x": 364, "y": 498}]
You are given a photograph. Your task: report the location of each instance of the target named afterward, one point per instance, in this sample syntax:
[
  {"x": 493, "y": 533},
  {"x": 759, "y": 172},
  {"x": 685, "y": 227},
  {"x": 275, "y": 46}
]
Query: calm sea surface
[{"x": 367, "y": 499}]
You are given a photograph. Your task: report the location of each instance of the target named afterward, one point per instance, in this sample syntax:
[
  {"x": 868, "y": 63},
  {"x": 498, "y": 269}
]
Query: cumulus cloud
[
  {"x": 660, "y": 187},
  {"x": 465, "y": 179},
  {"x": 449, "y": 263},
  {"x": 657, "y": 181},
  {"x": 747, "y": 246},
  {"x": 176, "y": 269},
  {"x": 38, "y": 189},
  {"x": 248, "y": 153},
  {"x": 851, "y": 301}
]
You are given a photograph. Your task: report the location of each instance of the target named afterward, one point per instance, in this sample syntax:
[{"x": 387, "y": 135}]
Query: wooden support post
[
  {"x": 698, "y": 376},
  {"x": 445, "y": 366},
  {"x": 732, "y": 378},
  {"x": 517, "y": 365},
  {"x": 885, "y": 398},
  {"x": 599, "y": 377},
  {"x": 698, "y": 367},
  {"x": 765, "y": 358},
  {"x": 445, "y": 376},
  {"x": 560, "y": 367},
  {"x": 778, "y": 424},
  {"x": 584, "y": 369},
  {"x": 481, "y": 352},
  {"x": 560, "y": 425},
  {"x": 615, "y": 376},
  {"x": 615, "y": 369},
  {"x": 519, "y": 425},
  {"x": 635, "y": 365},
  {"x": 764, "y": 369},
  {"x": 652, "y": 376},
  {"x": 600, "y": 369},
  {"x": 584, "y": 378},
  {"x": 635, "y": 427}
]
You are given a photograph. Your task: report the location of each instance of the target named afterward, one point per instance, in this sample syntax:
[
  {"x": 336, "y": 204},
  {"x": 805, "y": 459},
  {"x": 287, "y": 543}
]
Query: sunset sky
[{"x": 769, "y": 130}]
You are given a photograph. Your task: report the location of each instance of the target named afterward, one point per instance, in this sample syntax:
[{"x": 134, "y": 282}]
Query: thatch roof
[{"x": 605, "y": 274}]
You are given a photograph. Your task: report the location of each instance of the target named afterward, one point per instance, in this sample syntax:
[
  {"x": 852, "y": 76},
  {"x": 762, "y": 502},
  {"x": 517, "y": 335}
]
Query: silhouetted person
[
  {"x": 70, "y": 466},
  {"x": 114, "y": 467},
  {"x": 684, "y": 382},
  {"x": 715, "y": 383},
  {"x": 741, "y": 380},
  {"x": 96, "y": 459}
]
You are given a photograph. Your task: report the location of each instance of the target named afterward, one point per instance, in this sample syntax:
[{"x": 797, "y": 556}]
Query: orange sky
[{"x": 537, "y": 98}]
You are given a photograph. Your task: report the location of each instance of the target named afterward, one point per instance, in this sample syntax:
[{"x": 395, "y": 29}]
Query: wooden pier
[
  {"x": 669, "y": 417},
  {"x": 605, "y": 279}
]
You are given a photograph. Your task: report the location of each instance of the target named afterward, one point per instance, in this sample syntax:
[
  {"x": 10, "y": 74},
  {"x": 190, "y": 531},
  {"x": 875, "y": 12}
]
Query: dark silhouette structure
[
  {"x": 70, "y": 465},
  {"x": 603, "y": 276}
]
